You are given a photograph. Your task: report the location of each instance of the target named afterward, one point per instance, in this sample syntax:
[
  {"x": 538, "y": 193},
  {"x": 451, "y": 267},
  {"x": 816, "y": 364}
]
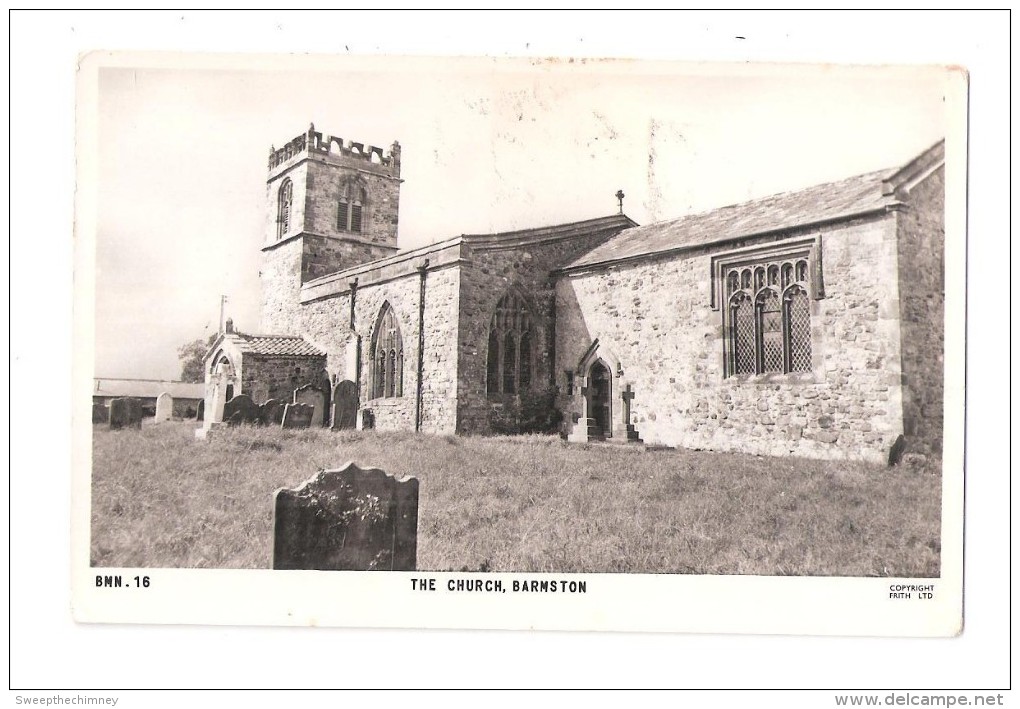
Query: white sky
[{"x": 488, "y": 145}]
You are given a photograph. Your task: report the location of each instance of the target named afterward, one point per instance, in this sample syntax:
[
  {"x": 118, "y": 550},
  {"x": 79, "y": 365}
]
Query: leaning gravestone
[
  {"x": 125, "y": 411},
  {"x": 271, "y": 412},
  {"x": 345, "y": 405},
  {"x": 347, "y": 520},
  {"x": 297, "y": 416},
  {"x": 308, "y": 394},
  {"x": 241, "y": 409},
  {"x": 164, "y": 407}
]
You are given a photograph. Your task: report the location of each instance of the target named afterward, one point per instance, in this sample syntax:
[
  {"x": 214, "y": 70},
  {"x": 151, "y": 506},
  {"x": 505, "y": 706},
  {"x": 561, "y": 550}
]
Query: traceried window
[
  {"x": 768, "y": 317},
  {"x": 388, "y": 356},
  {"x": 350, "y": 208},
  {"x": 283, "y": 208},
  {"x": 510, "y": 357}
]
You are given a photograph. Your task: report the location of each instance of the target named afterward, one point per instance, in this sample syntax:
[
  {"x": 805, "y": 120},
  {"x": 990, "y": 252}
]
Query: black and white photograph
[
  {"x": 522, "y": 321},
  {"x": 400, "y": 350}
]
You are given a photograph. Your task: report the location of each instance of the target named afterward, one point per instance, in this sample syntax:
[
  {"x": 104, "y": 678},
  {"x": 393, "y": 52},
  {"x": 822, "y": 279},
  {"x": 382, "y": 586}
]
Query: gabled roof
[
  {"x": 147, "y": 388},
  {"x": 287, "y": 345},
  {"x": 521, "y": 237},
  {"x": 856, "y": 196},
  {"x": 455, "y": 250},
  {"x": 282, "y": 345}
]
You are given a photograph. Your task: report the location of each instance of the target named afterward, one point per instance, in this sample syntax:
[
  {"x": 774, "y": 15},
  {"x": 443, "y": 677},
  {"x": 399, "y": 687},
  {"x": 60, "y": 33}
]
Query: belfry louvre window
[
  {"x": 284, "y": 202},
  {"x": 768, "y": 317},
  {"x": 509, "y": 364},
  {"x": 350, "y": 208},
  {"x": 387, "y": 356}
]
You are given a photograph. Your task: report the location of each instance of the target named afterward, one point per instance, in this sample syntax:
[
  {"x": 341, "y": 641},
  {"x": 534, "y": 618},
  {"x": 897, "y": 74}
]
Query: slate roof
[
  {"x": 147, "y": 388},
  {"x": 286, "y": 345},
  {"x": 826, "y": 202},
  {"x": 555, "y": 231}
]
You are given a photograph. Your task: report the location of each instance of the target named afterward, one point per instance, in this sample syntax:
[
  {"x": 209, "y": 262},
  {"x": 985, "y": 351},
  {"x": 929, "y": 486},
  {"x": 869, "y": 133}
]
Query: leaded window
[
  {"x": 510, "y": 363},
  {"x": 285, "y": 199},
  {"x": 350, "y": 208},
  {"x": 387, "y": 356},
  {"x": 768, "y": 317}
]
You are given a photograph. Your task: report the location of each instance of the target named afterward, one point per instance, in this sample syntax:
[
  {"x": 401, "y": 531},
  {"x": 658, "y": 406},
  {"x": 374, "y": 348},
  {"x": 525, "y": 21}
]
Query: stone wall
[
  {"x": 326, "y": 323},
  {"x": 280, "y": 281},
  {"x": 314, "y": 246},
  {"x": 921, "y": 227},
  {"x": 489, "y": 274},
  {"x": 323, "y": 255},
  {"x": 379, "y": 211},
  {"x": 276, "y": 377},
  {"x": 658, "y": 332}
]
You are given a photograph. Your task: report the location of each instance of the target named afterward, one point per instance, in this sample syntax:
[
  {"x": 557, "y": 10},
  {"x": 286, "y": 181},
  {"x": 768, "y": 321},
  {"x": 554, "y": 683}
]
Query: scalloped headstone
[{"x": 349, "y": 519}]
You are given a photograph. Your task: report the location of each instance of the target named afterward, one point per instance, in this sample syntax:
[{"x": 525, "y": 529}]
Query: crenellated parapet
[{"x": 313, "y": 142}]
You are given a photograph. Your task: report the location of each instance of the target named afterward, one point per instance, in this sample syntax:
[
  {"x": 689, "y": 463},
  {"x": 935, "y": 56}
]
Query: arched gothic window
[
  {"x": 510, "y": 358},
  {"x": 768, "y": 325},
  {"x": 387, "y": 356},
  {"x": 350, "y": 208},
  {"x": 285, "y": 199}
]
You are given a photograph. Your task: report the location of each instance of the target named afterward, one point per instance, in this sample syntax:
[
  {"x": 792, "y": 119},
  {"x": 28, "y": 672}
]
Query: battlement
[{"x": 314, "y": 142}]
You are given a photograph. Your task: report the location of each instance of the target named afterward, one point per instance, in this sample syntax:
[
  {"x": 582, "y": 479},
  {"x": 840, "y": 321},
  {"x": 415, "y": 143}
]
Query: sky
[{"x": 487, "y": 145}]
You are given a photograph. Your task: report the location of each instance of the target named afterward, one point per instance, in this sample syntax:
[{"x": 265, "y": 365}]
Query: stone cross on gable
[{"x": 627, "y": 395}]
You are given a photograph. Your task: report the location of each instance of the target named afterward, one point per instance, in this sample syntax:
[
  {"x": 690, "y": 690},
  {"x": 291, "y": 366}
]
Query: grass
[{"x": 525, "y": 503}]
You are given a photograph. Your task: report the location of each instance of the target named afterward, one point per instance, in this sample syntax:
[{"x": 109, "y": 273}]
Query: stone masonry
[
  {"x": 671, "y": 352},
  {"x": 643, "y": 302}
]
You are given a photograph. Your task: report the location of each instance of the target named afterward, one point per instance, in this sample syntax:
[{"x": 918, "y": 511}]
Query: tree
[{"x": 192, "y": 356}]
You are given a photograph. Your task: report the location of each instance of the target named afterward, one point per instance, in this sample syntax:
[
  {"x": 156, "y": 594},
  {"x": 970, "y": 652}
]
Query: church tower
[{"x": 330, "y": 205}]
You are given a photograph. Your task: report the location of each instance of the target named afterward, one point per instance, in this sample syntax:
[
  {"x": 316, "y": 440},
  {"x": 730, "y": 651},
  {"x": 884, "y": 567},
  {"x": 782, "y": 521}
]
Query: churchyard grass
[{"x": 525, "y": 503}]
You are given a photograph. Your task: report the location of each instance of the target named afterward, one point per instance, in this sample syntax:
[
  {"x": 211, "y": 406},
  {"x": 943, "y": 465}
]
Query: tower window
[
  {"x": 510, "y": 357},
  {"x": 350, "y": 208},
  {"x": 388, "y": 356},
  {"x": 283, "y": 208}
]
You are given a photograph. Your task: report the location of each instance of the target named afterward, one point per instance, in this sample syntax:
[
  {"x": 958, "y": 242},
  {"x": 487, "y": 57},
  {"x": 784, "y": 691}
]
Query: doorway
[{"x": 600, "y": 397}]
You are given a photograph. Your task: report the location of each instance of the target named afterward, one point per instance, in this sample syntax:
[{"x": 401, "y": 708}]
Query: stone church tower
[{"x": 330, "y": 205}]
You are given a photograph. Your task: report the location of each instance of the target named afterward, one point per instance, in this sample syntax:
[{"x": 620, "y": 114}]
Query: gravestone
[
  {"x": 347, "y": 520},
  {"x": 272, "y": 412},
  {"x": 345, "y": 405},
  {"x": 125, "y": 411},
  {"x": 200, "y": 412},
  {"x": 367, "y": 420},
  {"x": 100, "y": 414},
  {"x": 164, "y": 407},
  {"x": 297, "y": 416},
  {"x": 241, "y": 409},
  {"x": 314, "y": 397},
  {"x": 217, "y": 390}
]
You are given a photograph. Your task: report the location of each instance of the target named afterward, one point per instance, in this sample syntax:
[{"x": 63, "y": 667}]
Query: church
[{"x": 807, "y": 323}]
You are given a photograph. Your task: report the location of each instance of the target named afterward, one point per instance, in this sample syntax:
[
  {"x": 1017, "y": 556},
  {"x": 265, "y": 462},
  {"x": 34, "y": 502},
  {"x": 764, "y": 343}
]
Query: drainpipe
[
  {"x": 422, "y": 270},
  {"x": 357, "y": 361},
  {"x": 551, "y": 335}
]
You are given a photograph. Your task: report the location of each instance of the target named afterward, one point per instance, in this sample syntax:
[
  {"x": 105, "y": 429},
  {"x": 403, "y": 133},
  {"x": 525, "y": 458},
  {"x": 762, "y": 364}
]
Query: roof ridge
[
  {"x": 618, "y": 216},
  {"x": 871, "y": 174},
  {"x": 282, "y": 337}
]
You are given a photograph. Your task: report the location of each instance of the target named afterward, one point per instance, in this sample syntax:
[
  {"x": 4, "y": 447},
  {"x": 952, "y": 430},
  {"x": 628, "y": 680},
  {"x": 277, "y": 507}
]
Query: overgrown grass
[{"x": 527, "y": 503}]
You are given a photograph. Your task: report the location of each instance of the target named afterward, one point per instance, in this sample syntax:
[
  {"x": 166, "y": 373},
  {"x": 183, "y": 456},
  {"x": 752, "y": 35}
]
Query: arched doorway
[{"x": 600, "y": 381}]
